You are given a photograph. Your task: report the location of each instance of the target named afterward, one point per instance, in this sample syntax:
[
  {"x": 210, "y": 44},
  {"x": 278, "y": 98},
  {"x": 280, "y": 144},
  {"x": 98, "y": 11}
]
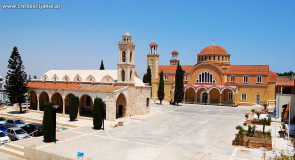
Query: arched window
[
  {"x": 130, "y": 58},
  {"x": 151, "y": 65},
  {"x": 205, "y": 77},
  {"x": 130, "y": 75},
  {"x": 123, "y": 56},
  {"x": 123, "y": 75}
]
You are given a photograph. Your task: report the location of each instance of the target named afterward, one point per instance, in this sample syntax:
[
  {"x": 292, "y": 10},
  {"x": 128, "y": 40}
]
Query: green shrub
[
  {"x": 258, "y": 113},
  {"x": 97, "y": 113},
  {"x": 73, "y": 109},
  {"x": 241, "y": 129},
  {"x": 246, "y": 115},
  {"x": 48, "y": 126},
  {"x": 269, "y": 120}
]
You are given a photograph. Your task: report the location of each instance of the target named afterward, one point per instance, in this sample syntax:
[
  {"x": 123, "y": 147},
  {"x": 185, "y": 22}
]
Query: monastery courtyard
[{"x": 169, "y": 132}]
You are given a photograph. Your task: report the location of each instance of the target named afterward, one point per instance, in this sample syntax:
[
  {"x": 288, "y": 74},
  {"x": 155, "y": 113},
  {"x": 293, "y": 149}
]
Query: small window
[
  {"x": 166, "y": 77},
  {"x": 209, "y": 57},
  {"x": 232, "y": 78},
  {"x": 170, "y": 93},
  {"x": 147, "y": 102},
  {"x": 245, "y": 79},
  {"x": 259, "y": 79},
  {"x": 205, "y": 58},
  {"x": 214, "y": 58},
  {"x": 244, "y": 96},
  {"x": 230, "y": 96},
  {"x": 185, "y": 77},
  {"x": 218, "y": 58}
]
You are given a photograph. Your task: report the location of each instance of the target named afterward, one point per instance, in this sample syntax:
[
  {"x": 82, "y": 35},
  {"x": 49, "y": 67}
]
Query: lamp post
[{"x": 54, "y": 120}]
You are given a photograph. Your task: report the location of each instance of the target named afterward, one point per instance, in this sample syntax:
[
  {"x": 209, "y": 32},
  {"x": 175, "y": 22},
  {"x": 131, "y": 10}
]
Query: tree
[
  {"x": 179, "y": 89},
  {"x": 147, "y": 78},
  {"x": 97, "y": 113},
  {"x": 35, "y": 77},
  {"x": 290, "y": 73},
  {"x": 73, "y": 109},
  {"x": 161, "y": 93},
  {"x": 101, "y": 65},
  {"x": 16, "y": 79},
  {"x": 48, "y": 126}
]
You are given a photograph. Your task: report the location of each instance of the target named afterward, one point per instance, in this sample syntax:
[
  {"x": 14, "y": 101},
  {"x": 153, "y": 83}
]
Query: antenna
[{"x": 213, "y": 41}]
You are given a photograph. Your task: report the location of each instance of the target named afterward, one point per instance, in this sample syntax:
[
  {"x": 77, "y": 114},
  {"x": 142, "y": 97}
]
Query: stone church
[{"x": 122, "y": 91}]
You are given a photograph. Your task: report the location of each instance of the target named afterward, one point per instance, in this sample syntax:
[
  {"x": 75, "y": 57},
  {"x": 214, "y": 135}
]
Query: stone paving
[{"x": 169, "y": 132}]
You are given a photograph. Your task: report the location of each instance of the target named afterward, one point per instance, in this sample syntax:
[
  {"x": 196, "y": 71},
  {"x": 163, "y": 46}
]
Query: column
[
  {"x": 38, "y": 103},
  {"x": 196, "y": 97},
  {"x": 220, "y": 99},
  {"x": 63, "y": 106},
  {"x": 27, "y": 107},
  {"x": 184, "y": 97}
]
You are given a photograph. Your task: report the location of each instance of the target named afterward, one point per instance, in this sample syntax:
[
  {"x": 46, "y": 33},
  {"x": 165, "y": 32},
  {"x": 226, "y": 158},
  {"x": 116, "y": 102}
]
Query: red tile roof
[
  {"x": 172, "y": 68},
  {"x": 174, "y": 51},
  {"x": 213, "y": 49},
  {"x": 286, "y": 83},
  {"x": 153, "y": 44},
  {"x": 75, "y": 86},
  {"x": 272, "y": 76},
  {"x": 254, "y": 69}
]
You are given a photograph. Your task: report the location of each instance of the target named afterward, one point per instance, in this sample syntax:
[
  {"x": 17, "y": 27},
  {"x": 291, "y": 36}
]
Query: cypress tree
[
  {"x": 161, "y": 93},
  {"x": 97, "y": 113},
  {"x": 144, "y": 79},
  {"x": 149, "y": 75},
  {"x": 73, "y": 109},
  {"x": 48, "y": 126},
  {"x": 179, "y": 88},
  {"x": 16, "y": 79},
  {"x": 101, "y": 65}
]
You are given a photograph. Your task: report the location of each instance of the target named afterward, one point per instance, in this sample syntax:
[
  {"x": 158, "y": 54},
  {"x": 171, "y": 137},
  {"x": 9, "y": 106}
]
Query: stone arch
[
  {"x": 67, "y": 102},
  {"x": 86, "y": 105},
  {"x": 200, "y": 87},
  {"x": 214, "y": 87},
  {"x": 190, "y": 94},
  {"x": 45, "y": 77},
  {"x": 54, "y": 78},
  {"x": 214, "y": 95},
  {"x": 66, "y": 78},
  {"x": 90, "y": 78},
  {"x": 225, "y": 97},
  {"x": 33, "y": 100},
  {"x": 77, "y": 78},
  {"x": 204, "y": 96},
  {"x": 107, "y": 79},
  {"x": 58, "y": 100},
  {"x": 121, "y": 106},
  {"x": 227, "y": 88},
  {"x": 43, "y": 98}
]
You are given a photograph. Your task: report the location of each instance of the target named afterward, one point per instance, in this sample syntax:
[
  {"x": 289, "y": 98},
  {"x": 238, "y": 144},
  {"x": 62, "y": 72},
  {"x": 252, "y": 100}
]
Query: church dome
[
  {"x": 175, "y": 51},
  {"x": 153, "y": 44},
  {"x": 213, "y": 49}
]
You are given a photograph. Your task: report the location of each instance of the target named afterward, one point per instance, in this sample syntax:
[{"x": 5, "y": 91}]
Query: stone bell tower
[{"x": 126, "y": 66}]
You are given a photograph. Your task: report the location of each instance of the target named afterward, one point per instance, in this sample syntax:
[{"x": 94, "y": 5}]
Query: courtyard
[{"x": 170, "y": 132}]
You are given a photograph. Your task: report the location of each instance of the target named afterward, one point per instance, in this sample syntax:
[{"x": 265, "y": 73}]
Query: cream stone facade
[
  {"x": 214, "y": 80},
  {"x": 121, "y": 90}
]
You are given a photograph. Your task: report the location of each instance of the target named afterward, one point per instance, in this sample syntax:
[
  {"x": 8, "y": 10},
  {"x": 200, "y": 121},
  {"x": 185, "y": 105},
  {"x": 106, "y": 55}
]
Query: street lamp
[{"x": 54, "y": 120}]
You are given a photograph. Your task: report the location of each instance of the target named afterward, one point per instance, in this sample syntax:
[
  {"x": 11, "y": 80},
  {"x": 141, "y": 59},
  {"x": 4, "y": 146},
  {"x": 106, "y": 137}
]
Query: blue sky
[{"x": 82, "y": 33}]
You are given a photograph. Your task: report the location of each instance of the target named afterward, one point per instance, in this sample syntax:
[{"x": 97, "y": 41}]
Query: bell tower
[
  {"x": 153, "y": 60},
  {"x": 126, "y": 66},
  {"x": 174, "y": 60}
]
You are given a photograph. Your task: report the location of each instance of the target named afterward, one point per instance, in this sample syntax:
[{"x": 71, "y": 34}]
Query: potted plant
[
  {"x": 247, "y": 115},
  {"x": 281, "y": 133},
  {"x": 253, "y": 111},
  {"x": 234, "y": 104},
  {"x": 282, "y": 121},
  {"x": 207, "y": 102}
]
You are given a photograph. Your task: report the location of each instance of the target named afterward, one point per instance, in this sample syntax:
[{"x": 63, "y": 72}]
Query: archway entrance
[
  {"x": 33, "y": 100},
  {"x": 214, "y": 95},
  {"x": 121, "y": 106},
  {"x": 257, "y": 99},
  {"x": 190, "y": 95},
  {"x": 67, "y": 102},
  {"x": 227, "y": 96},
  {"x": 86, "y": 105},
  {"x": 57, "y": 99},
  {"x": 43, "y": 98},
  {"x": 204, "y": 97}
]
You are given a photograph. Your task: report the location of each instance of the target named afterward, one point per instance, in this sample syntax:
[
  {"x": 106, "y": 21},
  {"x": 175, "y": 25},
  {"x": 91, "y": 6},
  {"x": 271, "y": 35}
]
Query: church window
[
  {"x": 245, "y": 79},
  {"x": 147, "y": 102},
  {"x": 166, "y": 77},
  {"x": 244, "y": 96},
  {"x": 123, "y": 56},
  {"x": 123, "y": 75},
  {"x": 232, "y": 78},
  {"x": 130, "y": 56},
  {"x": 259, "y": 79},
  {"x": 230, "y": 95},
  {"x": 186, "y": 77},
  {"x": 130, "y": 75},
  {"x": 205, "y": 77}
]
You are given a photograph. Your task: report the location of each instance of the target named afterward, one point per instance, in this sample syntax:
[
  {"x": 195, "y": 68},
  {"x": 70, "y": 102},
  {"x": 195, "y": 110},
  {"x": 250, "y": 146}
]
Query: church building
[
  {"x": 122, "y": 91},
  {"x": 213, "y": 79}
]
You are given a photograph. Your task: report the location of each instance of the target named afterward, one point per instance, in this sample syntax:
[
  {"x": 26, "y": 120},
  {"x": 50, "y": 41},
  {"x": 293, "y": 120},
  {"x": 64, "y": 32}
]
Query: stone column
[
  {"x": 27, "y": 107},
  {"x": 38, "y": 103},
  {"x": 196, "y": 97},
  {"x": 220, "y": 99},
  {"x": 63, "y": 106}
]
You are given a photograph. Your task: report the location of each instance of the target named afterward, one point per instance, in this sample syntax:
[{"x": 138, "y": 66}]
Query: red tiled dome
[
  {"x": 153, "y": 44},
  {"x": 174, "y": 51},
  {"x": 213, "y": 49}
]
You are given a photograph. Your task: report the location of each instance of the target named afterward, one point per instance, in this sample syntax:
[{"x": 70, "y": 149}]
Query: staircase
[{"x": 13, "y": 150}]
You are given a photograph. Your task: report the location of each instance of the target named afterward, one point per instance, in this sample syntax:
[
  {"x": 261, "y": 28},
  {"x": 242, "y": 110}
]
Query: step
[
  {"x": 12, "y": 152},
  {"x": 15, "y": 147}
]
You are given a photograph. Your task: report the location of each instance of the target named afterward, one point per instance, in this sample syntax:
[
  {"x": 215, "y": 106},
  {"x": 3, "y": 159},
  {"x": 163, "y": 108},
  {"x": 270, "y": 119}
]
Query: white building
[{"x": 123, "y": 93}]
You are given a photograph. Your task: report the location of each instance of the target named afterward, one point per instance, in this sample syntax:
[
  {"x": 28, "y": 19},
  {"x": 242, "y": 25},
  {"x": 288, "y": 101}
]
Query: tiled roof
[
  {"x": 286, "y": 83},
  {"x": 174, "y": 51},
  {"x": 75, "y": 86},
  {"x": 172, "y": 68},
  {"x": 254, "y": 69},
  {"x": 272, "y": 76},
  {"x": 153, "y": 44},
  {"x": 213, "y": 49}
]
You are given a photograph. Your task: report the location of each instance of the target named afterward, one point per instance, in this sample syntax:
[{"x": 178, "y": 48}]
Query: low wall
[{"x": 33, "y": 154}]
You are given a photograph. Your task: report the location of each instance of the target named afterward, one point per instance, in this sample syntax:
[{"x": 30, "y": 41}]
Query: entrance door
[
  {"x": 120, "y": 111},
  {"x": 204, "y": 97},
  {"x": 257, "y": 99}
]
